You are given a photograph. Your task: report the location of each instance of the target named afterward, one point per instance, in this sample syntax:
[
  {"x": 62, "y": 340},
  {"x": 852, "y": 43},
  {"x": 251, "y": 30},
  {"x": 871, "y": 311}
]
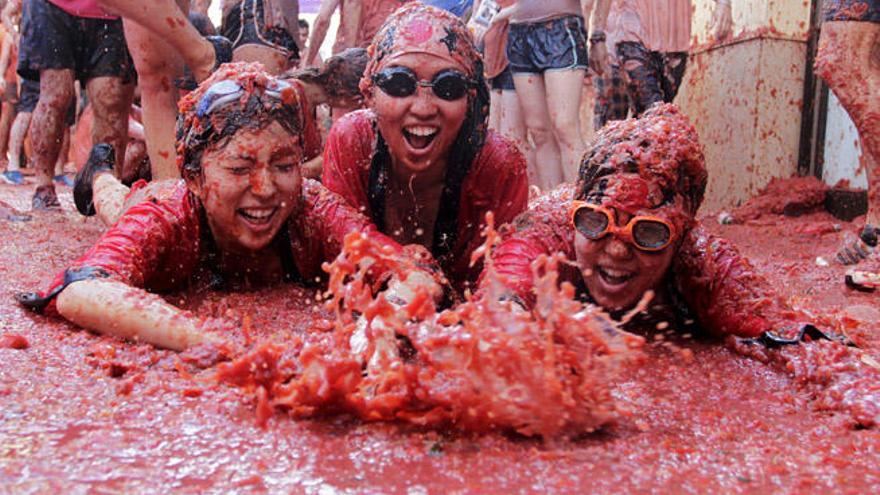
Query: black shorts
[
  {"x": 851, "y": 10},
  {"x": 30, "y": 95},
  {"x": 557, "y": 44},
  {"x": 244, "y": 25},
  {"x": 612, "y": 98},
  {"x": 504, "y": 81},
  {"x": 53, "y": 39}
]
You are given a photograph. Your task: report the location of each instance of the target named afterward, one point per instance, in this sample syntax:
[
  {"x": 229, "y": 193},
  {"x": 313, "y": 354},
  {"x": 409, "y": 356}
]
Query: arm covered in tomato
[
  {"x": 725, "y": 292},
  {"x": 543, "y": 229},
  {"x": 155, "y": 244}
]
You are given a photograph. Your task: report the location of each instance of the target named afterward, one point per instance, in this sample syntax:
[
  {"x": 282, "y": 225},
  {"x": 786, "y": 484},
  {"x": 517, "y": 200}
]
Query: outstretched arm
[
  {"x": 319, "y": 30},
  {"x": 114, "y": 308}
]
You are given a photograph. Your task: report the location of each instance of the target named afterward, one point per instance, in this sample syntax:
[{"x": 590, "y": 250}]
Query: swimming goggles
[
  {"x": 448, "y": 84},
  {"x": 222, "y": 93},
  {"x": 648, "y": 233}
]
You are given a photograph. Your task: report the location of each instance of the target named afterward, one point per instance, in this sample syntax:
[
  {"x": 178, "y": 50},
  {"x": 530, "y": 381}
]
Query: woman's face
[
  {"x": 249, "y": 186},
  {"x": 615, "y": 271},
  {"x": 419, "y": 129}
]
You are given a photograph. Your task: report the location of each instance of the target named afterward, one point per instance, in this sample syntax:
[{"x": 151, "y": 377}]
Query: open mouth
[
  {"x": 420, "y": 137},
  {"x": 257, "y": 216},
  {"x": 614, "y": 277}
]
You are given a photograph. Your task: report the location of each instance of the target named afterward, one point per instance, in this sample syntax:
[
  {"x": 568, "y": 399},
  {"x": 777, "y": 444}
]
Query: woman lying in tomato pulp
[
  {"x": 240, "y": 217},
  {"x": 629, "y": 226},
  {"x": 420, "y": 161}
]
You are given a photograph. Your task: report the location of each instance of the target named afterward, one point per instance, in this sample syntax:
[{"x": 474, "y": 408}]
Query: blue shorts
[
  {"x": 557, "y": 44},
  {"x": 851, "y": 10}
]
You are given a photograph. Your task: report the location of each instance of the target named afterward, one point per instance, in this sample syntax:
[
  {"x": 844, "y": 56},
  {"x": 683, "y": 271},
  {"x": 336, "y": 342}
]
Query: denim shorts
[
  {"x": 851, "y": 10},
  {"x": 556, "y": 44}
]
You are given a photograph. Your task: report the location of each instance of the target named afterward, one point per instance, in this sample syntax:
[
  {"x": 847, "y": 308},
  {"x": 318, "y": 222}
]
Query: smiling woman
[
  {"x": 241, "y": 217},
  {"x": 630, "y": 228},
  {"x": 420, "y": 161}
]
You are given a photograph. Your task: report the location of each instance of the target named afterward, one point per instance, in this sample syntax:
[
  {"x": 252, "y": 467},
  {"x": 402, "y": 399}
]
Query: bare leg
[
  {"x": 63, "y": 152},
  {"x": 111, "y": 99},
  {"x": 56, "y": 93},
  {"x": 564, "y": 89},
  {"x": 16, "y": 138},
  {"x": 849, "y": 61},
  {"x": 512, "y": 125},
  {"x": 495, "y": 110},
  {"x": 533, "y": 100},
  {"x": 6, "y": 118},
  {"x": 168, "y": 22},
  {"x": 158, "y": 65}
]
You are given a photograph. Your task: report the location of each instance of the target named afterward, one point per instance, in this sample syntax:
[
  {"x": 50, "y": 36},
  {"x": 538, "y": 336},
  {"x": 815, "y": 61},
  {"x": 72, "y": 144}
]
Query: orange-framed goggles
[{"x": 648, "y": 233}]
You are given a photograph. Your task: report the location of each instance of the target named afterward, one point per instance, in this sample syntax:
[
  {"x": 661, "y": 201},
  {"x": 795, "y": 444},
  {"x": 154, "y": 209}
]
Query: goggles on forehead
[
  {"x": 448, "y": 84},
  {"x": 648, "y": 233},
  {"x": 222, "y": 93}
]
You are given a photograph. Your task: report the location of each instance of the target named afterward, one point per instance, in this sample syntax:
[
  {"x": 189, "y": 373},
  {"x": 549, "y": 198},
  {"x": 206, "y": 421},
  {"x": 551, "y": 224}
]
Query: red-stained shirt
[
  {"x": 497, "y": 182},
  {"x": 160, "y": 243},
  {"x": 720, "y": 287}
]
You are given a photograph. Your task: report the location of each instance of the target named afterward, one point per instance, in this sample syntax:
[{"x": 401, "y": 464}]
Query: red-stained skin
[
  {"x": 245, "y": 177},
  {"x": 423, "y": 108}
]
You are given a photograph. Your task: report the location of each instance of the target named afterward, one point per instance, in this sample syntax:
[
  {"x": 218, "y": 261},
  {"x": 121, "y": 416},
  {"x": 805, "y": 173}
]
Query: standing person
[
  {"x": 848, "y": 61},
  {"x": 505, "y": 112},
  {"x": 162, "y": 42},
  {"x": 420, "y": 161},
  {"x": 63, "y": 40},
  {"x": 9, "y": 98},
  {"x": 547, "y": 50},
  {"x": 304, "y": 29},
  {"x": 652, "y": 45},
  {"x": 359, "y": 21},
  {"x": 264, "y": 31}
]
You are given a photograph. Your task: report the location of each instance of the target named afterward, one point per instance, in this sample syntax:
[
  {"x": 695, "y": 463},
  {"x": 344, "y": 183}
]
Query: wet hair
[
  {"x": 303, "y": 23},
  {"x": 661, "y": 146},
  {"x": 202, "y": 23},
  {"x": 457, "y": 44},
  {"x": 252, "y": 111},
  {"x": 339, "y": 76}
]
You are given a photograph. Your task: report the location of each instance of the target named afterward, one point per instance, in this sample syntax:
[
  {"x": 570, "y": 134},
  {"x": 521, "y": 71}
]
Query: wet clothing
[
  {"x": 653, "y": 76},
  {"x": 495, "y": 61},
  {"x": 244, "y": 24},
  {"x": 52, "y": 38},
  {"x": 503, "y": 81},
  {"x": 851, "y": 10},
  {"x": 163, "y": 242},
  {"x": 542, "y": 10},
  {"x": 714, "y": 282},
  {"x": 660, "y": 25},
  {"x": 612, "y": 98},
  {"x": 496, "y": 181},
  {"x": 557, "y": 44}
]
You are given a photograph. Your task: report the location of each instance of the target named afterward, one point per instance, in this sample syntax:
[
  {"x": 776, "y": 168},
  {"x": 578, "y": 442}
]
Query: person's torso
[
  {"x": 542, "y": 10},
  {"x": 661, "y": 25}
]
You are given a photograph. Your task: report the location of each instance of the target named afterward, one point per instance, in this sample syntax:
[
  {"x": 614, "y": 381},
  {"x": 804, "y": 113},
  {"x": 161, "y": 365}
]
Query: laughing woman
[
  {"x": 629, "y": 226},
  {"x": 240, "y": 217},
  {"x": 420, "y": 161}
]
